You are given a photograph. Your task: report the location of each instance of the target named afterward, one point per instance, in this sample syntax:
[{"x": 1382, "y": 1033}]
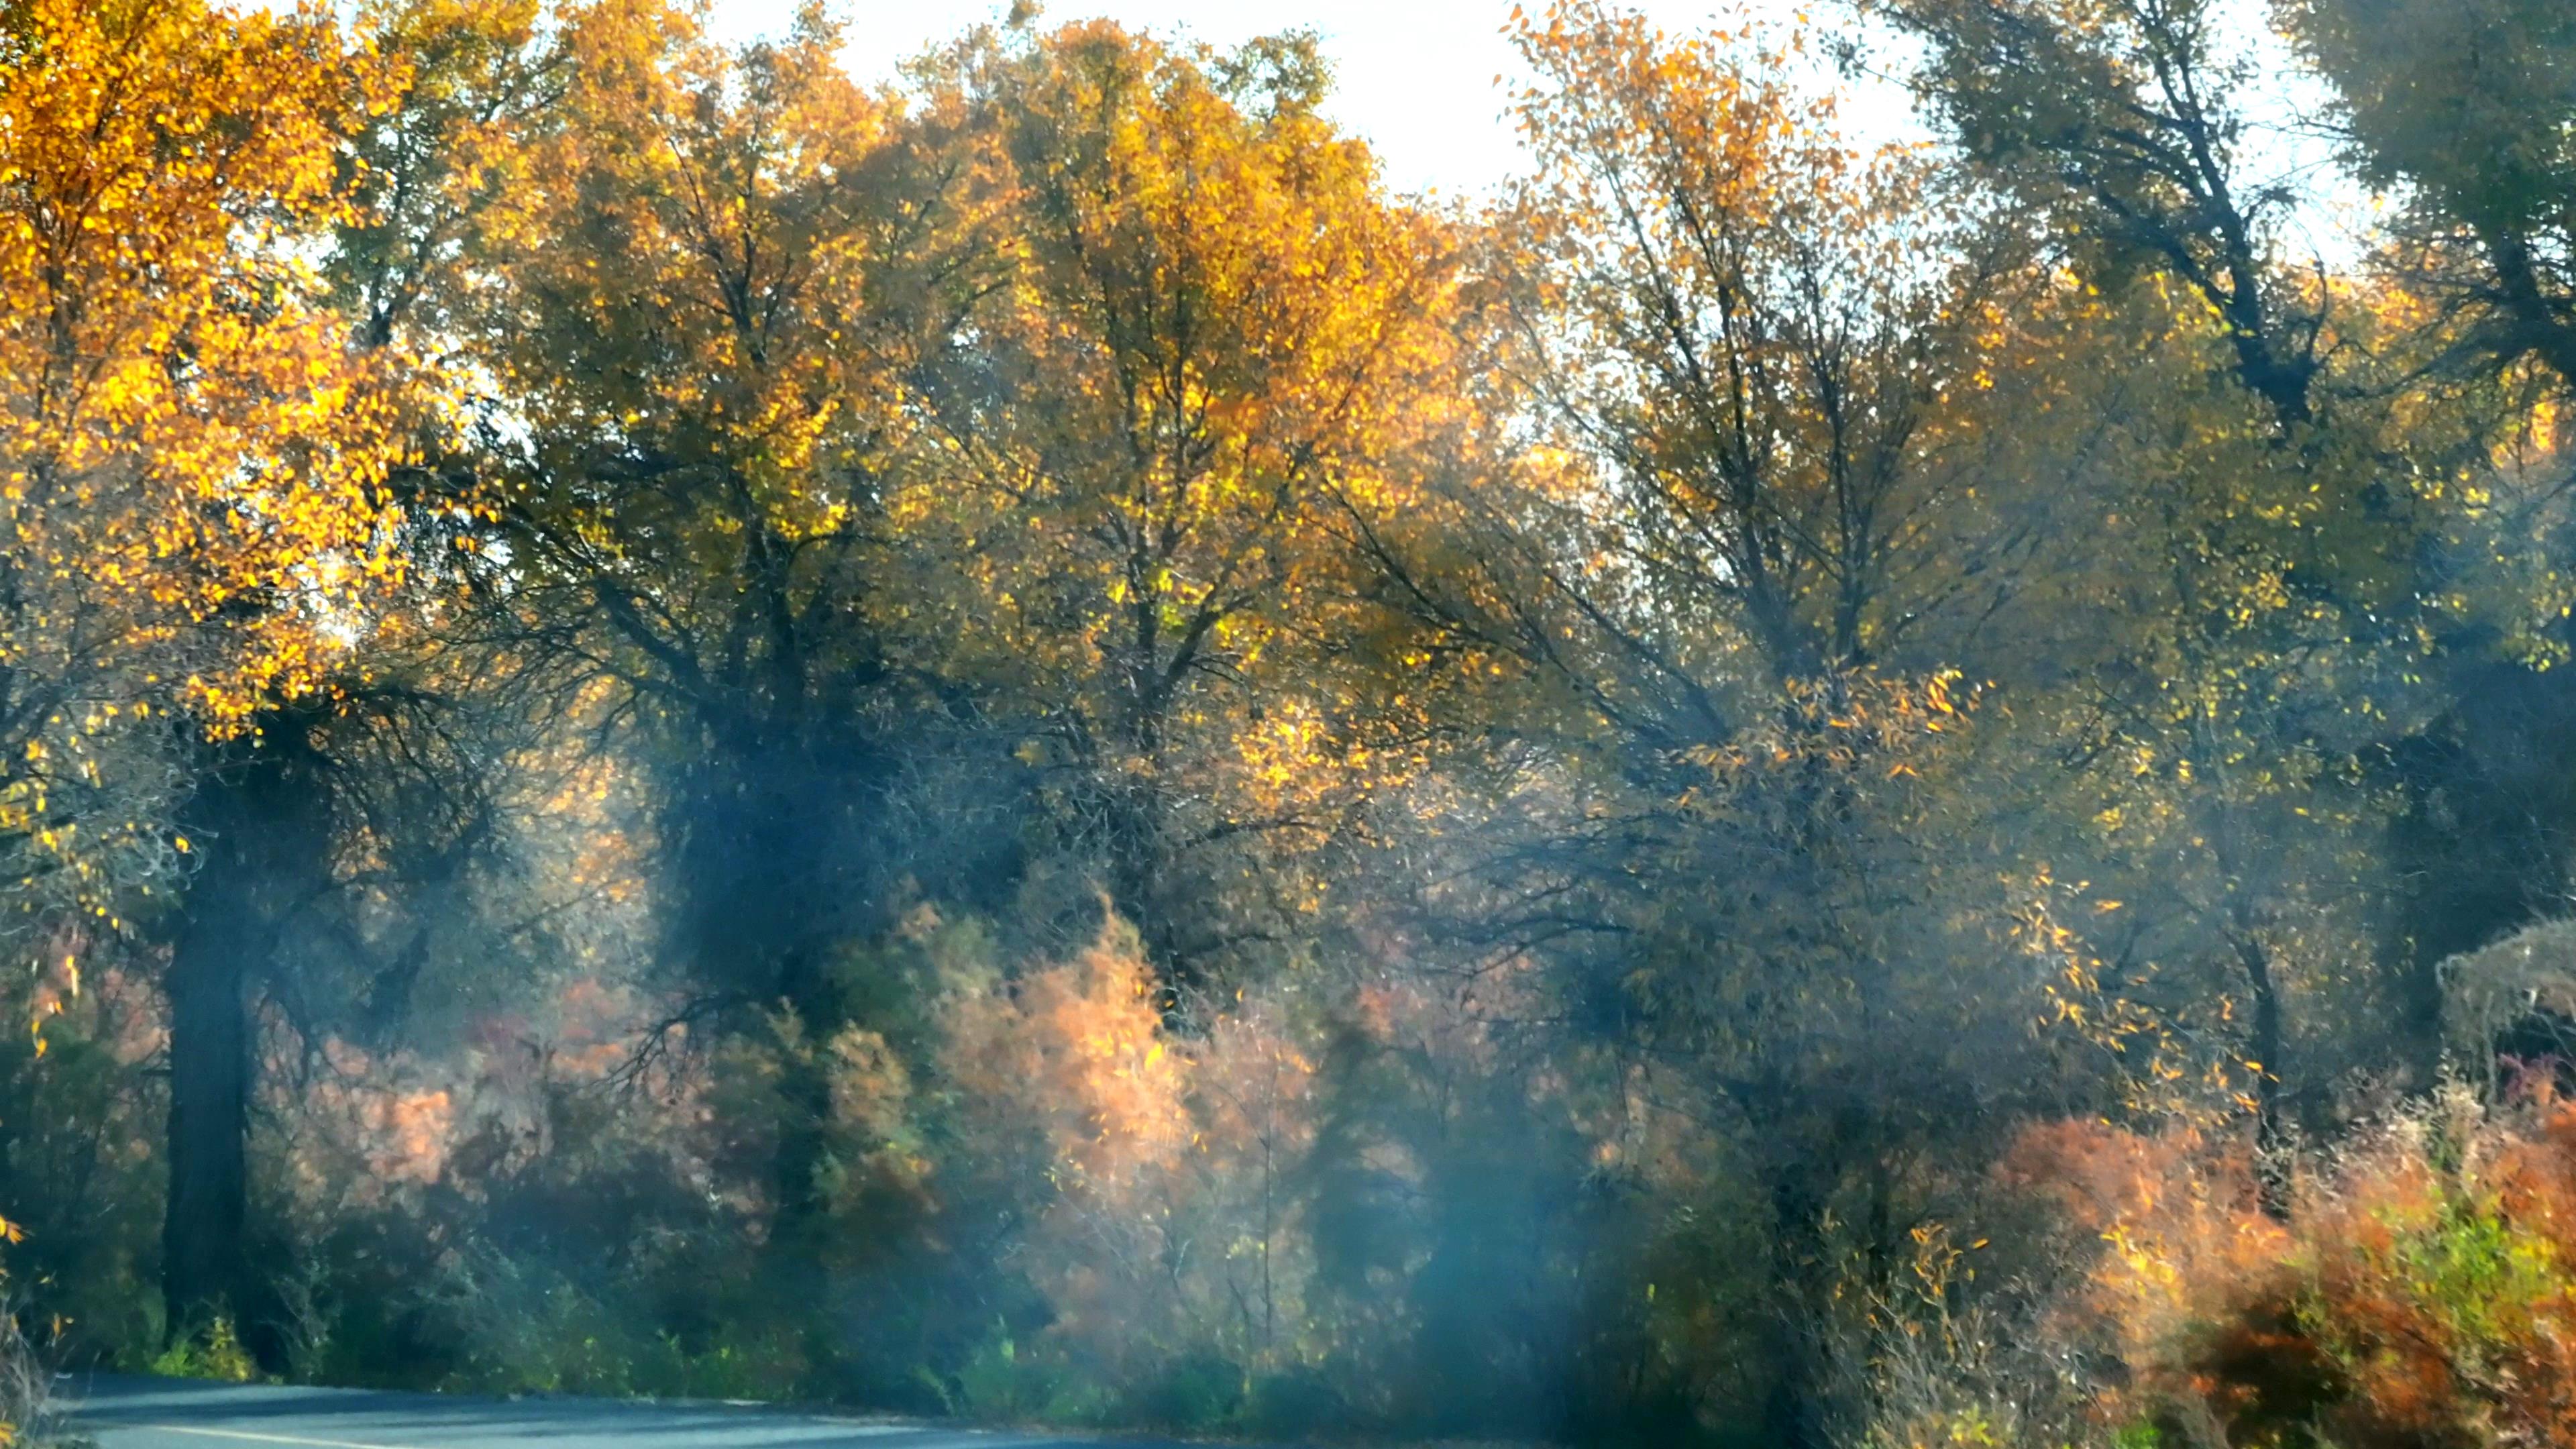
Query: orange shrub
[
  {"x": 2419, "y": 1292},
  {"x": 1169, "y": 1226}
]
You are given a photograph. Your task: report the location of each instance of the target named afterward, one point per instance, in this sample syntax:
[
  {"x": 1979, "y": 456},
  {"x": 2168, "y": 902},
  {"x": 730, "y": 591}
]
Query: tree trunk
[
  {"x": 1793, "y": 1409},
  {"x": 262, "y": 837},
  {"x": 2271, "y": 1129},
  {"x": 766, "y": 891},
  {"x": 210, "y": 1064}
]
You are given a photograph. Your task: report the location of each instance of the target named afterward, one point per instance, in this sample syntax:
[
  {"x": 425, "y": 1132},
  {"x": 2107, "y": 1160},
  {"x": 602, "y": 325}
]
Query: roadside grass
[{"x": 31, "y": 1417}]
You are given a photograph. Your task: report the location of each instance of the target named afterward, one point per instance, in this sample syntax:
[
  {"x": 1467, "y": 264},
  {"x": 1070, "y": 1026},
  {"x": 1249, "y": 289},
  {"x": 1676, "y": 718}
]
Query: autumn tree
[
  {"x": 2203, "y": 682},
  {"x": 198, "y": 473},
  {"x": 701, "y": 300},
  {"x": 196, "y": 464},
  {"x": 2128, "y": 123},
  {"x": 1219, "y": 335},
  {"x": 2464, "y": 110},
  {"x": 2135, "y": 126},
  {"x": 1715, "y": 563},
  {"x": 347, "y": 809}
]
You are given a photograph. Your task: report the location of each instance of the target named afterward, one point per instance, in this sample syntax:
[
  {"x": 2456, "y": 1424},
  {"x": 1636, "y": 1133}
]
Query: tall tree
[
  {"x": 195, "y": 465},
  {"x": 701, "y": 302},
  {"x": 1714, "y": 559},
  {"x": 1220, "y": 333},
  {"x": 197, "y": 477},
  {"x": 2127, "y": 121},
  {"x": 293, "y": 806},
  {"x": 2467, "y": 108}
]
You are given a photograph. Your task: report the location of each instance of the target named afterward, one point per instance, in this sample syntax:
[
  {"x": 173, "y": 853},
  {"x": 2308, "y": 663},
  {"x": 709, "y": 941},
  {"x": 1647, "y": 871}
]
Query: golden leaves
[
  {"x": 1215, "y": 344},
  {"x": 195, "y": 464}
]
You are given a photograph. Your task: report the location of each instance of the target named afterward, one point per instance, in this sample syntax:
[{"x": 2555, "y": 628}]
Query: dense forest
[{"x": 1015, "y": 744}]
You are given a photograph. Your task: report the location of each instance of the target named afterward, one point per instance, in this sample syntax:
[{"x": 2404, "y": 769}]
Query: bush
[
  {"x": 2419, "y": 1292},
  {"x": 1002, "y": 1382},
  {"x": 1294, "y": 1404},
  {"x": 213, "y": 1351}
]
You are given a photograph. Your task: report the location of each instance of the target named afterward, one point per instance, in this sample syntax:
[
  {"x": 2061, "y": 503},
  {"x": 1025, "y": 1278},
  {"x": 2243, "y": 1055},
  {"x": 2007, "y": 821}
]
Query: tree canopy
[{"x": 1011, "y": 742}]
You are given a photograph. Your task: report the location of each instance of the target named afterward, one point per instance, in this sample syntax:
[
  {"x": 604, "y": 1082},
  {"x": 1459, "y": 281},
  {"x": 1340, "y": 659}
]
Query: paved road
[{"x": 140, "y": 1413}]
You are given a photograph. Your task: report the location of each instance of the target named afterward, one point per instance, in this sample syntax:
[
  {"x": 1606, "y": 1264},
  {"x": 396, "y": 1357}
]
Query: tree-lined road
[{"x": 141, "y": 1413}]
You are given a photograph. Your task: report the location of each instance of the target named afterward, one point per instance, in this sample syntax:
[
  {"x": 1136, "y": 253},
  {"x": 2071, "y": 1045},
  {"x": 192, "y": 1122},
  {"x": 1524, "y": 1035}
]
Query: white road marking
[
  {"x": 265, "y": 1438},
  {"x": 845, "y": 1428}
]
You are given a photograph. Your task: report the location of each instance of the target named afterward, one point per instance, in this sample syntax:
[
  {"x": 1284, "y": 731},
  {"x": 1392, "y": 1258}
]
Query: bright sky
[{"x": 1415, "y": 77}]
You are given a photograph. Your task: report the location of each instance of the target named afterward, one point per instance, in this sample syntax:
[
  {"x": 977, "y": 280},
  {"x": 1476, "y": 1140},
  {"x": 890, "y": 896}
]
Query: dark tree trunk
[
  {"x": 1793, "y": 1410},
  {"x": 2271, "y": 1126},
  {"x": 261, "y": 822},
  {"x": 210, "y": 1064},
  {"x": 770, "y": 878}
]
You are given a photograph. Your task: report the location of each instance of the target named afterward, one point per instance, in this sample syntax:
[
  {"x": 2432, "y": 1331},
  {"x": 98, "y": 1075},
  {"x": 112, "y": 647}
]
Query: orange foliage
[
  {"x": 1082, "y": 1044},
  {"x": 2420, "y": 1292},
  {"x": 362, "y": 1129},
  {"x": 1170, "y": 1224}
]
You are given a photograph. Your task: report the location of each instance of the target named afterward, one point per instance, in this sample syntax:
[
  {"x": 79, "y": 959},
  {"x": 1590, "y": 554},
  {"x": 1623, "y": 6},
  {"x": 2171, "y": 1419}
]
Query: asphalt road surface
[{"x": 141, "y": 1413}]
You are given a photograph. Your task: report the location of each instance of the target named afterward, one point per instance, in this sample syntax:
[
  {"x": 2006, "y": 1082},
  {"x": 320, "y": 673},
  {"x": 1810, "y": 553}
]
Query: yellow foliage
[
  {"x": 193, "y": 461},
  {"x": 1217, "y": 344}
]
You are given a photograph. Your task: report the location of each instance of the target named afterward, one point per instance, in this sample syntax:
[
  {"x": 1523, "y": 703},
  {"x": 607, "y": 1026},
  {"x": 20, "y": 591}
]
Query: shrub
[
  {"x": 1295, "y": 1403},
  {"x": 1002, "y": 1382},
  {"x": 1195, "y": 1392},
  {"x": 212, "y": 1351},
  {"x": 2419, "y": 1292}
]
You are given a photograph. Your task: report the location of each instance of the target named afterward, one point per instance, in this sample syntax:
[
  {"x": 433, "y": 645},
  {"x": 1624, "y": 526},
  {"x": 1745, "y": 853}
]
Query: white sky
[{"x": 1415, "y": 77}]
